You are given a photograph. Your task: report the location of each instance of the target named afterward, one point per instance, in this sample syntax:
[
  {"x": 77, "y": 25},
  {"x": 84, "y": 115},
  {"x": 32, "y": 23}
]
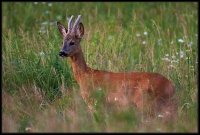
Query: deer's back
[{"x": 131, "y": 81}]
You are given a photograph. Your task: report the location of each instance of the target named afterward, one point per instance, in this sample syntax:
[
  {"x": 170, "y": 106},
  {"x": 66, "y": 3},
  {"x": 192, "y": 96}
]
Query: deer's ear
[
  {"x": 80, "y": 30},
  {"x": 62, "y": 29}
]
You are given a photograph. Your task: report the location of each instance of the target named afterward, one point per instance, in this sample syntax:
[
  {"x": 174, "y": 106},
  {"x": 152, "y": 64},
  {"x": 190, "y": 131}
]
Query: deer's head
[{"x": 71, "y": 37}]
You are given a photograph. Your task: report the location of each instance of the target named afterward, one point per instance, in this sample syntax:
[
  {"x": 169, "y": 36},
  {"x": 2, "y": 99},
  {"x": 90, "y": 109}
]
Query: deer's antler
[
  {"x": 70, "y": 24},
  {"x": 76, "y": 22}
]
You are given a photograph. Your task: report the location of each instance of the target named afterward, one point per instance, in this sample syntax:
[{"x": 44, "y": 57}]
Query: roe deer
[{"x": 122, "y": 88}]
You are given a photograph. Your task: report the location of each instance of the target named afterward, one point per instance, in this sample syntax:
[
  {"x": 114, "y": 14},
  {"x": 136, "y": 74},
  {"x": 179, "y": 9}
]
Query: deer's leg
[
  {"x": 167, "y": 108},
  {"x": 138, "y": 100},
  {"x": 88, "y": 101}
]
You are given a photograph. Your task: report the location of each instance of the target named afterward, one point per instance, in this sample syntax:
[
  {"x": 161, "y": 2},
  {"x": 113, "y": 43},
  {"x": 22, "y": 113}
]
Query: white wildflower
[
  {"x": 160, "y": 116},
  {"x": 173, "y": 57},
  {"x": 167, "y": 55},
  {"x": 42, "y": 30},
  {"x": 44, "y": 23},
  {"x": 41, "y": 53},
  {"x": 188, "y": 50},
  {"x": 180, "y": 40},
  {"x": 35, "y": 3},
  {"x": 192, "y": 67},
  {"x": 145, "y": 33},
  {"x": 49, "y": 4},
  {"x": 171, "y": 66},
  {"x": 28, "y": 129},
  {"x": 144, "y": 42},
  {"x": 166, "y": 59},
  {"x": 182, "y": 54},
  {"x": 138, "y": 35},
  {"x": 95, "y": 104},
  {"x": 174, "y": 61}
]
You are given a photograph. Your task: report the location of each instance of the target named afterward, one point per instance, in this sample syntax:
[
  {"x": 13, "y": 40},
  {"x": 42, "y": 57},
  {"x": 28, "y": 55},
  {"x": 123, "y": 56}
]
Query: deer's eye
[{"x": 71, "y": 43}]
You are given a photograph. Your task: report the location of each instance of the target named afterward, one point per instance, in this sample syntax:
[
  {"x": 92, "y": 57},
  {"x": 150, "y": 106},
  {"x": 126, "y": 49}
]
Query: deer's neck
[{"x": 79, "y": 66}]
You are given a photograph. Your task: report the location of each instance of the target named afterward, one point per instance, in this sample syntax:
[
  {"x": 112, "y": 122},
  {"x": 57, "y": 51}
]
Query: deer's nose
[{"x": 63, "y": 54}]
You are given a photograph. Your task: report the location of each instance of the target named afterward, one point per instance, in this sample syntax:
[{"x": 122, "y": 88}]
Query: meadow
[{"x": 39, "y": 92}]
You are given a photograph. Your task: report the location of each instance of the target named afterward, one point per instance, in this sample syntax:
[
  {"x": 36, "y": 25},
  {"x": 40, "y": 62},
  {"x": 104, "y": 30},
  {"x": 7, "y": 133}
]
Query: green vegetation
[{"x": 38, "y": 88}]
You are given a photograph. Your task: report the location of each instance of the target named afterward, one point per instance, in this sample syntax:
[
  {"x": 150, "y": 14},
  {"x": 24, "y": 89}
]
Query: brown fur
[{"x": 123, "y": 88}]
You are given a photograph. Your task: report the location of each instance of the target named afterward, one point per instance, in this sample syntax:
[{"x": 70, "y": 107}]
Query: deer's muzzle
[{"x": 63, "y": 54}]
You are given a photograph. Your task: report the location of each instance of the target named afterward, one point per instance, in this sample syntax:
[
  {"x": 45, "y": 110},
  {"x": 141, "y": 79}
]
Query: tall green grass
[{"x": 39, "y": 90}]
